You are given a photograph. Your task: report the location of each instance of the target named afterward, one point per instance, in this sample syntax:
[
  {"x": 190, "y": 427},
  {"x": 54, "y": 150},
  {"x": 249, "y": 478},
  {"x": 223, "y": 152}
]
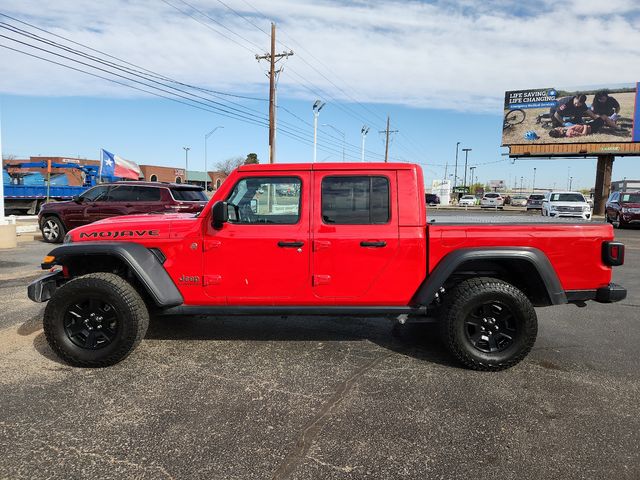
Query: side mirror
[
  {"x": 220, "y": 215},
  {"x": 77, "y": 198}
]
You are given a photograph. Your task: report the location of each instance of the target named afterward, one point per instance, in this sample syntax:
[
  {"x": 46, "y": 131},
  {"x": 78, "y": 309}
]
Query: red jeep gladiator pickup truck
[{"x": 321, "y": 239}]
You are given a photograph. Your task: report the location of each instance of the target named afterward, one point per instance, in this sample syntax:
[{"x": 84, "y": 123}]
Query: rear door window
[
  {"x": 355, "y": 200},
  {"x": 146, "y": 194},
  {"x": 121, "y": 193}
]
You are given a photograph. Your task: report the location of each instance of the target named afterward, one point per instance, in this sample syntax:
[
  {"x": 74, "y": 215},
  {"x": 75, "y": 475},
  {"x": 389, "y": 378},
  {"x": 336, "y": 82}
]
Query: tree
[
  {"x": 252, "y": 158},
  {"x": 229, "y": 165}
]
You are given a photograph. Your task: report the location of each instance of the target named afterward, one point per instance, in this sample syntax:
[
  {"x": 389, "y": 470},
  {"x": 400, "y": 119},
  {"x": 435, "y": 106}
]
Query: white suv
[
  {"x": 492, "y": 199},
  {"x": 566, "y": 204}
]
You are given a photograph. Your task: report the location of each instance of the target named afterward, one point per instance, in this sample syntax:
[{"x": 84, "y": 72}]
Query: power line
[{"x": 217, "y": 92}]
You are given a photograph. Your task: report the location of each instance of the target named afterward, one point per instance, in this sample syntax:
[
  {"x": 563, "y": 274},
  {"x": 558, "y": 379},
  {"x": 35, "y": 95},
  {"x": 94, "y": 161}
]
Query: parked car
[
  {"x": 623, "y": 208},
  {"x": 519, "y": 201},
  {"x": 432, "y": 199},
  {"x": 492, "y": 199},
  {"x": 467, "y": 201},
  {"x": 119, "y": 198},
  {"x": 566, "y": 204},
  {"x": 534, "y": 202}
]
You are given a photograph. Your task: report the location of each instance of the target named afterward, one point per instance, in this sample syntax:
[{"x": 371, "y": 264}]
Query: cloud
[{"x": 458, "y": 55}]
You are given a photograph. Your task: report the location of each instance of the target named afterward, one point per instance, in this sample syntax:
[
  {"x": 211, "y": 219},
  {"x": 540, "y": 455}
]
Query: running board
[{"x": 364, "y": 311}]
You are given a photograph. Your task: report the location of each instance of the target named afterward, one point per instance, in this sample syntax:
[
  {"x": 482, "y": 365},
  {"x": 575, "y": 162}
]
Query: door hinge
[
  {"x": 211, "y": 280},
  {"x": 321, "y": 280}
]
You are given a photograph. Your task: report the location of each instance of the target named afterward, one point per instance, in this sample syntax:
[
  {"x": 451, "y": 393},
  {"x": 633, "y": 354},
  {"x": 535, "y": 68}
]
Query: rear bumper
[{"x": 609, "y": 294}]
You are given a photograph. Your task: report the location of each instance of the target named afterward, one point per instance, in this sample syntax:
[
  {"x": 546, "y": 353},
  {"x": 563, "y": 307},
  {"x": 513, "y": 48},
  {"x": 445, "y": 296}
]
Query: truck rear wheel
[
  {"x": 488, "y": 324},
  {"x": 95, "y": 320}
]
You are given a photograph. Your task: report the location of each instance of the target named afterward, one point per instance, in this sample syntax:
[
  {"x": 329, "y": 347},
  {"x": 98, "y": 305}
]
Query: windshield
[
  {"x": 468, "y": 197},
  {"x": 567, "y": 197},
  {"x": 536, "y": 197},
  {"x": 630, "y": 197}
]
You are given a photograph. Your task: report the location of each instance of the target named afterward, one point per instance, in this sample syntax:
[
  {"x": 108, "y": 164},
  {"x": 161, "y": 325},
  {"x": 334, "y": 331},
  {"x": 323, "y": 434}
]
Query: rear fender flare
[{"x": 447, "y": 266}]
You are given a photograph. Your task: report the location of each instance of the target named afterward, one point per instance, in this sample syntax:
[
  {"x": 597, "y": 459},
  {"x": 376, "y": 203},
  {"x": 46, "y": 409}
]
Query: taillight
[{"x": 613, "y": 253}]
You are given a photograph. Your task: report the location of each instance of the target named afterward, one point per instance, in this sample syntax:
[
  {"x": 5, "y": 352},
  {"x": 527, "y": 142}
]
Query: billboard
[
  {"x": 497, "y": 184},
  {"x": 588, "y": 115}
]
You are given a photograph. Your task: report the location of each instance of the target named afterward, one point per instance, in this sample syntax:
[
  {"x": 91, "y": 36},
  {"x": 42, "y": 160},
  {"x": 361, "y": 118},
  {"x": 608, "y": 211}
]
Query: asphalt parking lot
[{"x": 302, "y": 398}]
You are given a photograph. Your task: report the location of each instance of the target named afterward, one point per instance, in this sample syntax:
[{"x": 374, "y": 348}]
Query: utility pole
[
  {"x": 364, "y": 132},
  {"x": 273, "y": 58},
  {"x": 466, "y": 157},
  {"x": 186, "y": 164},
  {"x": 206, "y": 171},
  {"x": 387, "y": 132}
]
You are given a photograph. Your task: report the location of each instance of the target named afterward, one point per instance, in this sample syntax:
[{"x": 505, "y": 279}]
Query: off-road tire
[
  {"x": 471, "y": 294},
  {"x": 130, "y": 311},
  {"x": 55, "y": 225}
]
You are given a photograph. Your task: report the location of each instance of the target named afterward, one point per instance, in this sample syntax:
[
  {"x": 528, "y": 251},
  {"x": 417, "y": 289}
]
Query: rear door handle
[
  {"x": 373, "y": 244},
  {"x": 290, "y": 244}
]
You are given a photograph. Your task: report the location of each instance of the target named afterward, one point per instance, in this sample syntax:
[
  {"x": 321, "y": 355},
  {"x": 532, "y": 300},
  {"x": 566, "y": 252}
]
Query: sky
[{"x": 439, "y": 69}]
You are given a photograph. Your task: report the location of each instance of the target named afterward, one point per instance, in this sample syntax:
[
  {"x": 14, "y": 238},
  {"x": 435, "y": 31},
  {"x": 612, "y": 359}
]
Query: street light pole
[
  {"x": 344, "y": 137},
  {"x": 521, "y": 185},
  {"x": 466, "y": 157},
  {"x": 455, "y": 172},
  {"x": 570, "y": 182},
  {"x": 206, "y": 172},
  {"x": 317, "y": 106},
  {"x": 472, "y": 173},
  {"x": 533, "y": 186},
  {"x": 186, "y": 164},
  {"x": 364, "y": 132}
]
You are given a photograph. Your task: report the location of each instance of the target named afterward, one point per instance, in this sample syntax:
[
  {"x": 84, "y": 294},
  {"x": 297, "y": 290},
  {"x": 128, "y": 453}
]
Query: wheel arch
[
  {"x": 526, "y": 268},
  {"x": 127, "y": 258}
]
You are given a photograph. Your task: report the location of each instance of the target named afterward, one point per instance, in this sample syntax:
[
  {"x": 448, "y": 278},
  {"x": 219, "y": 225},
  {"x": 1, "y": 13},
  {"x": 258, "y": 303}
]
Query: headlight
[
  {"x": 586, "y": 208},
  {"x": 625, "y": 210},
  {"x": 552, "y": 208},
  {"x": 67, "y": 238}
]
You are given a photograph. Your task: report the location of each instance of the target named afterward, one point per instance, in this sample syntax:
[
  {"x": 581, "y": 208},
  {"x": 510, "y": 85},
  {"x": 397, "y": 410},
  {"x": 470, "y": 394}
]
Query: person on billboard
[
  {"x": 572, "y": 107},
  {"x": 579, "y": 130},
  {"x": 606, "y": 107}
]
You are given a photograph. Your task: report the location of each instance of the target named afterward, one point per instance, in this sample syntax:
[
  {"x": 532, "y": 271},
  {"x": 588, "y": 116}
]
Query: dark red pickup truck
[{"x": 321, "y": 239}]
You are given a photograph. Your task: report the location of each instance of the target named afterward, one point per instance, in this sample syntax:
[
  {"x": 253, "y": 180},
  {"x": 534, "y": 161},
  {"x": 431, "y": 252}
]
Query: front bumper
[
  {"x": 584, "y": 216},
  {"x": 42, "y": 289}
]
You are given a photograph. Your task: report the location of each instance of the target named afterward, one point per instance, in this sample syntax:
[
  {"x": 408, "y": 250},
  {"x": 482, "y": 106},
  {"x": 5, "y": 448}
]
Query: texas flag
[{"x": 115, "y": 166}]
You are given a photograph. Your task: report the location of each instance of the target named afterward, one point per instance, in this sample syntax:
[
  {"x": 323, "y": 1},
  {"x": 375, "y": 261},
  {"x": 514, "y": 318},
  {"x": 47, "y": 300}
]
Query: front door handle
[
  {"x": 290, "y": 244},
  {"x": 373, "y": 244}
]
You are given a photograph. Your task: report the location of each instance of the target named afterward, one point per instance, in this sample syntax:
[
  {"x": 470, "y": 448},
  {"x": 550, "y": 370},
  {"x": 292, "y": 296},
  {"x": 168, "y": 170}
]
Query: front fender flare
[{"x": 143, "y": 263}]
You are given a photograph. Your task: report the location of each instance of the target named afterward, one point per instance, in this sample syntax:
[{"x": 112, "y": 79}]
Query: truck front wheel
[
  {"x": 95, "y": 320},
  {"x": 488, "y": 324}
]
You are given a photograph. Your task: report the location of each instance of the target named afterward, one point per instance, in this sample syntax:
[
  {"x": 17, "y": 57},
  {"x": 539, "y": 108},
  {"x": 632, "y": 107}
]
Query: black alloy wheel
[
  {"x": 491, "y": 327},
  {"x": 91, "y": 323}
]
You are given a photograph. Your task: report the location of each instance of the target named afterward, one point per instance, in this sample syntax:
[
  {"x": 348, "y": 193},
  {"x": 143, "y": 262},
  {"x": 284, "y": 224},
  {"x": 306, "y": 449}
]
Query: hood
[
  {"x": 630, "y": 204},
  {"x": 129, "y": 228}
]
